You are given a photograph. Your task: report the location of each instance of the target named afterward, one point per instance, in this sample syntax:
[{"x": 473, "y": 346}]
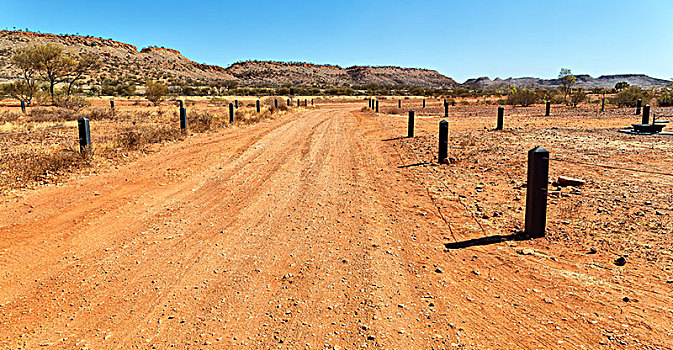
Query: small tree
[
  {"x": 567, "y": 81},
  {"x": 85, "y": 64},
  {"x": 24, "y": 90},
  {"x": 155, "y": 92},
  {"x": 52, "y": 64},
  {"x": 521, "y": 96},
  {"x": 578, "y": 97},
  {"x": 621, "y": 85}
]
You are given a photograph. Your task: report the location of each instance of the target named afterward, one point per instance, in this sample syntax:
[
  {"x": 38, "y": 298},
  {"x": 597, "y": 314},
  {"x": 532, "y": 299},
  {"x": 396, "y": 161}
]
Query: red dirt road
[{"x": 299, "y": 232}]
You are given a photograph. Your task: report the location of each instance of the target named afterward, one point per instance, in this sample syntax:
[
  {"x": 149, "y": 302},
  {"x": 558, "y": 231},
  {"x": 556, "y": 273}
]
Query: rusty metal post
[
  {"x": 410, "y": 126},
  {"x": 84, "y": 136},
  {"x": 443, "y": 142},
  {"x": 501, "y": 118},
  {"x": 536, "y": 192}
]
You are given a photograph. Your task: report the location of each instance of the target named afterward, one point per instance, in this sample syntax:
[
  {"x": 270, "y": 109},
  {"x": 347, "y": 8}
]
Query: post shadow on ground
[
  {"x": 412, "y": 165},
  {"x": 488, "y": 241},
  {"x": 396, "y": 138}
]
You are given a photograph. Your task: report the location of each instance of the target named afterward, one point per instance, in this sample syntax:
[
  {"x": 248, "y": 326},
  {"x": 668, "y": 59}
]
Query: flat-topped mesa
[
  {"x": 156, "y": 48},
  {"x": 66, "y": 39}
]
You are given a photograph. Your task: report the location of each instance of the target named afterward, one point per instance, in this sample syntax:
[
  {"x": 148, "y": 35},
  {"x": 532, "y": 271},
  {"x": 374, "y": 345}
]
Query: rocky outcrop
[{"x": 583, "y": 80}]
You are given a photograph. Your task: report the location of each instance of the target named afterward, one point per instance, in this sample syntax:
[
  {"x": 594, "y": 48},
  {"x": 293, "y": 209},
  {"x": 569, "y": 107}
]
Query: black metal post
[
  {"x": 399, "y": 103},
  {"x": 423, "y": 103},
  {"x": 275, "y": 103},
  {"x": 603, "y": 105},
  {"x": 646, "y": 114},
  {"x": 370, "y": 103},
  {"x": 306, "y": 102},
  {"x": 311, "y": 102},
  {"x": 298, "y": 103},
  {"x": 547, "y": 108},
  {"x": 258, "y": 106},
  {"x": 377, "y": 106},
  {"x": 639, "y": 103},
  {"x": 84, "y": 135},
  {"x": 443, "y": 142},
  {"x": 23, "y": 106},
  {"x": 536, "y": 192},
  {"x": 231, "y": 113},
  {"x": 410, "y": 127},
  {"x": 501, "y": 118},
  {"x": 183, "y": 119},
  {"x": 236, "y": 104},
  {"x": 446, "y": 109},
  {"x": 288, "y": 102},
  {"x": 182, "y": 104}
]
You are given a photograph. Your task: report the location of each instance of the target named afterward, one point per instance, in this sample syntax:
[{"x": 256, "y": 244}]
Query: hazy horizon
[{"x": 461, "y": 41}]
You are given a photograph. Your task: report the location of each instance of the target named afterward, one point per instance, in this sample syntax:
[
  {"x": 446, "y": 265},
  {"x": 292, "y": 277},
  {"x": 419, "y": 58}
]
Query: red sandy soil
[{"x": 323, "y": 229}]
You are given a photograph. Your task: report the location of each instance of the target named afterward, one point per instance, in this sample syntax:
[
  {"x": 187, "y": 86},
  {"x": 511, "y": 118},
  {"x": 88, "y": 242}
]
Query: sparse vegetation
[{"x": 629, "y": 97}]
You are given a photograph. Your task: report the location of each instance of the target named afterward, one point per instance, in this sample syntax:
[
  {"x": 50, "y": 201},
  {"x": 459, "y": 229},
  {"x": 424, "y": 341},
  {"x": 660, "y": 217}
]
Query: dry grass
[{"x": 40, "y": 154}]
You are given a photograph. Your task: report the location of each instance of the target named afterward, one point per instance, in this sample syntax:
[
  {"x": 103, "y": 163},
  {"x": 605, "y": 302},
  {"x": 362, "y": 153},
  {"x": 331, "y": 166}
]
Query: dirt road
[{"x": 298, "y": 232}]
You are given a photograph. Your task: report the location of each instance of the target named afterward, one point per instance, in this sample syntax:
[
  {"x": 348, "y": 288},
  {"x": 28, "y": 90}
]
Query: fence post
[
  {"x": 547, "y": 108},
  {"x": 423, "y": 103},
  {"x": 298, "y": 103},
  {"x": 446, "y": 109},
  {"x": 369, "y": 100},
  {"x": 536, "y": 192},
  {"x": 257, "y": 106},
  {"x": 23, "y": 106},
  {"x": 236, "y": 103},
  {"x": 377, "y": 106},
  {"x": 639, "y": 103},
  {"x": 646, "y": 114},
  {"x": 399, "y": 103},
  {"x": 410, "y": 127},
  {"x": 112, "y": 106},
  {"x": 603, "y": 105},
  {"x": 84, "y": 135},
  {"x": 501, "y": 117},
  {"x": 306, "y": 102},
  {"x": 443, "y": 142},
  {"x": 231, "y": 113},
  {"x": 275, "y": 103},
  {"x": 311, "y": 102},
  {"x": 182, "y": 105},
  {"x": 288, "y": 103},
  {"x": 183, "y": 119}
]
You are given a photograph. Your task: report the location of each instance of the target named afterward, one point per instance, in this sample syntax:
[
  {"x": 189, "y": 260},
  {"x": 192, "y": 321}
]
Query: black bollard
[
  {"x": 183, "y": 119},
  {"x": 259, "y": 109},
  {"x": 112, "y": 106},
  {"x": 371, "y": 106},
  {"x": 306, "y": 102},
  {"x": 182, "y": 105},
  {"x": 410, "y": 127},
  {"x": 423, "y": 103},
  {"x": 501, "y": 118},
  {"x": 23, "y": 106},
  {"x": 84, "y": 136},
  {"x": 311, "y": 102},
  {"x": 446, "y": 109},
  {"x": 646, "y": 114},
  {"x": 231, "y": 113},
  {"x": 291, "y": 92},
  {"x": 639, "y": 103},
  {"x": 443, "y": 142},
  {"x": 399, "y": 103},
  {"x": 548, "y": 108},
  {"x": 236, "y": 104},
  {"x": 603, "y": 105},
  {"x": 536, "y": 192},
  {"x": 288, "y": 102},
  {"x": 377, "y": 106},
  {"x": 298, "y": 103},
  {"x": 275, "y": 103}
]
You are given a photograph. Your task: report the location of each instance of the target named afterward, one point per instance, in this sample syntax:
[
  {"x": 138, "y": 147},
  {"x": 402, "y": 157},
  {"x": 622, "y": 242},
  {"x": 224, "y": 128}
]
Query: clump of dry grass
[
  {"x": 22, "y": 170},
  {"x": 132, "y": 138}
]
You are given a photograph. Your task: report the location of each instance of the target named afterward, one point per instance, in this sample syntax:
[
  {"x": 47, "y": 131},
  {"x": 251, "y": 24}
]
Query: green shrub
[
  {"x": 523, "y": 97},
  {"x": 629, "y": 97},
  {"x": 666, "y": 98}
]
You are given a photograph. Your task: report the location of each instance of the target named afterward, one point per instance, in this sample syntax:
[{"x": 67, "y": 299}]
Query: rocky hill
[
  {"x": 583, "y": 80},
  {"x": 126, "y": 62}
]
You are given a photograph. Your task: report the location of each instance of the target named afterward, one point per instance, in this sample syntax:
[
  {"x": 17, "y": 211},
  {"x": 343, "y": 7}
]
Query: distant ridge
[
  {"x": 126, "y": 62},
  {"x": 583, "y": 80}
]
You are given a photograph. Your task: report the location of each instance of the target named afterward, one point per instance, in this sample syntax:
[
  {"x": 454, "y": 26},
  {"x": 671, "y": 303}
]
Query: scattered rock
[
  {"x": 621, "y": 261},
  {"x": 525, "y": 251},
  {"x": 592, "y": 251},
  {"x": 564, "y": 181}
]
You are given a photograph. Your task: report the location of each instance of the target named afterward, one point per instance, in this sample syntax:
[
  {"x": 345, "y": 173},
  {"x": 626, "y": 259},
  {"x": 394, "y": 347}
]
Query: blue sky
[{"x": 461, "y": 39}]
